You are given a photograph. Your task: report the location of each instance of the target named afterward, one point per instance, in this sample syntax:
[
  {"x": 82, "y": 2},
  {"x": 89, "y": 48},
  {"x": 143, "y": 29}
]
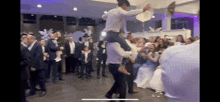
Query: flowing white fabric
[
  {"x": 156, "y": 81},
  {"x": 144, "y": 76}
]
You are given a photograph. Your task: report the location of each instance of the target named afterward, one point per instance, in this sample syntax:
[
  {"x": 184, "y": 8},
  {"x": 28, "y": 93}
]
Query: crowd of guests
[
  {"x": 41, "y": 60},
  {"x": 146, "y": 70}
]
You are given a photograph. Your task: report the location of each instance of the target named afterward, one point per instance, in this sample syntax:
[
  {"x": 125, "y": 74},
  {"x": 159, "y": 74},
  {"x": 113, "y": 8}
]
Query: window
[{"x": 29, "y": 18}]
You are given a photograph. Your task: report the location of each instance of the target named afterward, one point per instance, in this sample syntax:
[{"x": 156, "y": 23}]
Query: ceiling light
[
  {"x": 105, "y": 12},
  {"x": 32, "y": 14},
  {"x": 75, "y": 9},
  {"x": 55, "y": 16},
  {"x": 153, "y": 16},
  {"x": 103, "y": 33},
  {"x": 39, "y": 6}
]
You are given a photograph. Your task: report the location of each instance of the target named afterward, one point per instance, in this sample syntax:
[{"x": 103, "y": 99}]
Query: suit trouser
[
  {"x": 103, "y": 58},
  {"x": 87, "y": 67},
  {"x": 70, "y": 64},
  {"x": 128, "y": 78},
  {"x": 114, "y": 37},
  {"x": 119, "y": 81},
  {"x": 22, "y": 90},
  {"x": 54, "y": 66},
  {"x": 37, "y": 75}
]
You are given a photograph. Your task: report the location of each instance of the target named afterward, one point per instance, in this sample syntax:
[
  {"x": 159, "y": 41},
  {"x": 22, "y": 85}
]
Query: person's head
[
  {"x": 86, "y": 38},
  {"x": 189, "y": 40},
  {"x": 196, "y": 38},
  {"x": 58, "y": 34},
  {"x": 153, "y": 48},
  {"x": 157, "y": 39},
  {"x": 30, "y": 33},
  {"x": 180, "y": 39},
  {"x": 165, "y": 38},
  {"x": 30, "y": 39},
  {"x": 70, "y": 39},
  {"x": 130, "y": 38},
  {"x": 52, "y": 36},
  {"x": 42, "y": 42},
  {"x": 90, "y": 41},
  {"x": 80, "y": 38},
  {"x": 123, "y": 4},
  {"x": 141, "y": 40},
  {"x": 86, "y": 48},
  {"x": 151, "y": 39},
  {"x": 145, "y": 40},
  {"x": 161, "y": 42},
  {"x": 24, "y": 38}
]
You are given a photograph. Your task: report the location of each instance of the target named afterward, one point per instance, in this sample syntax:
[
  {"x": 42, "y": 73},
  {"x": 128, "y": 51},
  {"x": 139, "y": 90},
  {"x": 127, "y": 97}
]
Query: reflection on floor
[{"x": 73, "y": 89}]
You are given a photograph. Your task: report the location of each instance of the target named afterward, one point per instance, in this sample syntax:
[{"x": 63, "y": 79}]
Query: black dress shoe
[
  {"x": 87, "y": 77},
  {"x": 108, "y": 96},
  {"x": 80, "y": 76},
  {"x": 104, "y": 76},
  {"x": 54, "y": 81},
  {"x": 31, "y": 93},
  {"x": 61, "y": 79},
  {"x": 42, "y": 93}
]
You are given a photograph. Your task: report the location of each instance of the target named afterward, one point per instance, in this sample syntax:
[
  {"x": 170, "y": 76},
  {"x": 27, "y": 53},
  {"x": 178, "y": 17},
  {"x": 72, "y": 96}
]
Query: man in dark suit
[
  {"x": 45, "y": 56},
  {"x": 70, "y": 51},
  {"x": 36, "y": 65},
  {"x": 52, "y": 49},
  {"x": 86, "y": 60},
  {"x": 89, "y": 45},
  {"x": 24, "y": 60},
  {"x": 78, "y": 54},
  {"x": 102, "y": 56}
]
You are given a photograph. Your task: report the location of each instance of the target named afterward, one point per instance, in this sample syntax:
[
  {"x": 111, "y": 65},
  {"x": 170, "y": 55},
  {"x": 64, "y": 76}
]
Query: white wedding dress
[
  {"x": 144, "y": 76},
  {"x": 156, "y": 81}
]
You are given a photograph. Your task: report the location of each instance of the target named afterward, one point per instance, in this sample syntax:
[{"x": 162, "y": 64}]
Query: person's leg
[
  {"x": 48, "y": 69},
  {"x": 113, "y": 70},
  {"x": 98, "y": 66},
  {"x": 33, "y": 81},
  {"x": 54, "y": 72},
  {"x": 104, "y": 65},
  {"x": 67, "y": 65},
  {"x": 41, "y": 79},
  {"x": 60, "y": 70},
  {"x": 129, "y": 79},
  {"x": 122, "y": 87}
]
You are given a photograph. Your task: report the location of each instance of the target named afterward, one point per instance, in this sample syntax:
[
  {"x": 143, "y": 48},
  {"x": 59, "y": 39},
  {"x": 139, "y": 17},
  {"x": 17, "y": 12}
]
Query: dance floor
[{"x": 73, "y": 89}]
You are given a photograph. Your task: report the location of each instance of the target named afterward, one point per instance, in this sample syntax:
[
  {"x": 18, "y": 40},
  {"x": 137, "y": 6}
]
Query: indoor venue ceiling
[{"x": 96, "y": 8}]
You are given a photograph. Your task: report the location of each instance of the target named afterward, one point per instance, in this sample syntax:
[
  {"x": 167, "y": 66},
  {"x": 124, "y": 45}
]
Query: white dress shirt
[
  {"x": 43, "y": 50},
  {"x": 30, "y": 47},
  {"x": 72, "y": 47},
  {"x": 180, "y": 72},
  {"x": 86, "y": 56},
  {"x": 115, "y": 53},
  {"x": 86, "y": 43},
  {"x": 115, "y": 18}
]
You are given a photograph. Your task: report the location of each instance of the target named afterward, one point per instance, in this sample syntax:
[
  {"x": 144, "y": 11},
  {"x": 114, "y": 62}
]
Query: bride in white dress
[{"x": 146, "y": 71}]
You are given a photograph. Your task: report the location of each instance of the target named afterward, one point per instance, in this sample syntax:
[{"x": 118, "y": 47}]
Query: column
[
  {"x": 64, "y": 23},
  {"x": 166, "y": 21},
  {"x": 196, "y": 27}
]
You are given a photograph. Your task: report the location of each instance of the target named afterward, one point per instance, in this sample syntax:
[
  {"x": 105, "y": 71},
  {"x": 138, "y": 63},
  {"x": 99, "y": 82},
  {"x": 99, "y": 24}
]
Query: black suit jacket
[
  {"x": 79, "y": 49},
  {"x": 67, "y": 49},
  {"x": 52, "y": 49},
  {"x": 24, "y": 61},
  {"x": 89, "y": 59},
  {"x": 100, "y": 51},
  {"x": 36, "y": 57},
  {"x": 90, "y": 46}
]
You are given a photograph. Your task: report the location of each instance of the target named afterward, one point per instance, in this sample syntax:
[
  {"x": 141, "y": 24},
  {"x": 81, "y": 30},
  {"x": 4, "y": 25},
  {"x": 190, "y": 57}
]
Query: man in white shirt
[
  {"x": 115, "y": 19},
  {"x": 70, "y": 50}
]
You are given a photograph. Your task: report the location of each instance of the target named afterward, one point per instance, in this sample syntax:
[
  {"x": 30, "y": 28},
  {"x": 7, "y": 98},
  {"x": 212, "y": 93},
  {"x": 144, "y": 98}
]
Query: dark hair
[
  {"x": 145, "y": 40},
  {"x": 163, "y": 43},
  {"x": 183, "y": 41},
  {"x": 155, "y": 48},
  {"x": 165, "y": 35},
  {"x": 85, "y": 47},
  {"x": 191, "y": 39},
  {"x": 120, "y": 3},
  {"x": 158, "y": 37}
]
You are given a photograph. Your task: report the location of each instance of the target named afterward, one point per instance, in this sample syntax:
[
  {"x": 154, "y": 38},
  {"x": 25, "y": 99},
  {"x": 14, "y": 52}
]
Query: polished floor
[{"x": 73, "y": 89}]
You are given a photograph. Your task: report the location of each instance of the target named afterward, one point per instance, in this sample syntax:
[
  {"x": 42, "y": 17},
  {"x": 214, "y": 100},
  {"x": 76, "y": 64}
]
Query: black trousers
[
  {"x": 128, "y": 78},
  {"x": 87, "y": 67},
  {"x": 103, "y": 58},
  {"x": 78, "y": 64},
  {"x": 39, "y": 76},
  {"x": 22, "y": 90},
  {"x": 119, "y": 81},
  {"x": 70, "y": 64}
]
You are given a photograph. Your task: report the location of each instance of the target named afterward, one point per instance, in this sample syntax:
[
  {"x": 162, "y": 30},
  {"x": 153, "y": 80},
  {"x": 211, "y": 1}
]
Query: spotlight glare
[
  {"x": 105, "y": 12},
  {"x": 153, "y": 16},
  {"x": 103, "y": 33},
  {"x": 75, "y": 9},
  {"x": 39, "y": 6}
]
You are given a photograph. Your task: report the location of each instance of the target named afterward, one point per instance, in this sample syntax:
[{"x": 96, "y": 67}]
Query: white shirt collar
[
  {"x": 23, "y": 44},
  {"x": 30, "y": 47}
]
